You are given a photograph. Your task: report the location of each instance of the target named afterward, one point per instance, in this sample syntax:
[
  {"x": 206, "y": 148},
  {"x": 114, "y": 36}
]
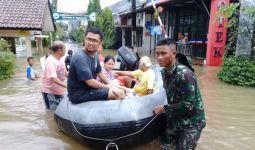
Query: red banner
[{"x": 217, "y": 34}]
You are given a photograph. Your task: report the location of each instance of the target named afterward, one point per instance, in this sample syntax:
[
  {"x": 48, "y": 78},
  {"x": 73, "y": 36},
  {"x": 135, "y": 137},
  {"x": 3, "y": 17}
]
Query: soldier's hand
[{"x": 159, "y": 109}]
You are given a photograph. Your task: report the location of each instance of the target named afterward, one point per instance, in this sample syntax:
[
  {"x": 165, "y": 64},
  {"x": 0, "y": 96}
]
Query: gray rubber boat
[{"x": 126, "y": 122}]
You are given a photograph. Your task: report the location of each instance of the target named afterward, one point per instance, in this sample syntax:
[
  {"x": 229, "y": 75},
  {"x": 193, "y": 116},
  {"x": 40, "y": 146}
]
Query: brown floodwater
[{"x": 26, "y": 124}]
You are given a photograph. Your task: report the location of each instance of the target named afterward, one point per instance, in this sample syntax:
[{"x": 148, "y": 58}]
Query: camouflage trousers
[{"x": 181, "y": 139}]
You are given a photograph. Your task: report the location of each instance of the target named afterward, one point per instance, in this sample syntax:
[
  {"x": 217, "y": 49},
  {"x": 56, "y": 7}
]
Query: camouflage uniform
[{"x": 185, "y": 113}]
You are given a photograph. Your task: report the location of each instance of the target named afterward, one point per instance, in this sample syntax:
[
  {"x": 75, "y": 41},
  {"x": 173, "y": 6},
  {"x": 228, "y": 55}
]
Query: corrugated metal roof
[{"x": 123, "y": 6}]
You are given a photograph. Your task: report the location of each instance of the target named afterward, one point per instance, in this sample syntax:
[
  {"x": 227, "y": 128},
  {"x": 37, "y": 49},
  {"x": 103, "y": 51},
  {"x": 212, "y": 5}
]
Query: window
[{"x": 139, "y": 37}]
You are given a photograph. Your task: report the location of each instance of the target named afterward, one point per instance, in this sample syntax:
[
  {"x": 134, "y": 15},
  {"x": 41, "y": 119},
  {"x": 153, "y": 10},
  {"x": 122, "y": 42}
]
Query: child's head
[
  {"x": 70, "y": 52},
  {"x": 109, "y": 62},
  {"x": 31, "y": 60}
]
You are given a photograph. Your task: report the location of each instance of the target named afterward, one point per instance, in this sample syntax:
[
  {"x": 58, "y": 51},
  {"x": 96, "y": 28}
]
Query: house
[
  {"x": 195, "y": 18},
  {"x": 24, "y": 18},
  {"x": 125, "y": 34}
]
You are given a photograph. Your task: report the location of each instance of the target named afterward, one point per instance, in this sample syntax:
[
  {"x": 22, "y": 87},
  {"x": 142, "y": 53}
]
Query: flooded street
[{"x": 26, "y": 124}]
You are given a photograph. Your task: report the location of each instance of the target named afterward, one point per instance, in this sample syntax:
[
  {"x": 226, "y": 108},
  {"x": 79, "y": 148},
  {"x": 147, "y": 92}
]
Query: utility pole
[{"x": 133, "y": 18}]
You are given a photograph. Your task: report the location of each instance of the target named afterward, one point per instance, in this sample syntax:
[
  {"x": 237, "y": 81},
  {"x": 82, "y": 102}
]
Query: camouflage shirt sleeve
[{"x": 186, "y": 90}]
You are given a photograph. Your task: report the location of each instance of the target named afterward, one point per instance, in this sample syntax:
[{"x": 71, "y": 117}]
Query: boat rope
[{"x": 111, "y": 144}]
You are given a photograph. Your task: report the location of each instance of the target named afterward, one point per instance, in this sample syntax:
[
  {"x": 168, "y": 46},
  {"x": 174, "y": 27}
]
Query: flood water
[{"x": 26, "y": 124}]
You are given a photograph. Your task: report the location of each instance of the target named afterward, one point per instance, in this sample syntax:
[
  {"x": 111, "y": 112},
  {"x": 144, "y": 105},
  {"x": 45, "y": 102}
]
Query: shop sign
[
  {"x": 156, "y": 30},
  {"x": 23, "y": 32},
  {"x": 219, "y": 34}
]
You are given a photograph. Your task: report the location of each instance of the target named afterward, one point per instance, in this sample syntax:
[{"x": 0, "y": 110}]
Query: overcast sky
[{"x": 80, "y": 5}]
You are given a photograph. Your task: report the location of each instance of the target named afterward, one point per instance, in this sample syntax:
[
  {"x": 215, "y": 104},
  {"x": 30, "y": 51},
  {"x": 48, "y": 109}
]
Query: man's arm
[
  {"x": 124, "y": 73},
  {"x": 103, "y": 77},
  {"x": 185, "y": 106},
  {"x": 96, "y": 84},
  {"x": 58, "y": 82}
]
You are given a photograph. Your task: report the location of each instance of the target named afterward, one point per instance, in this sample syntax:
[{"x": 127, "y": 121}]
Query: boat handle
[{"x": 111, "y": 144}]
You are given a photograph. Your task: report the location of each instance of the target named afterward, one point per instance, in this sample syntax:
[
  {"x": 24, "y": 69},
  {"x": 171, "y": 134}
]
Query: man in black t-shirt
[{"x": 82, "y": 85}]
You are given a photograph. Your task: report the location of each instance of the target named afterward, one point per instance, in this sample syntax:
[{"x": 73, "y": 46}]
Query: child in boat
[{"x": 109, "y": 62}]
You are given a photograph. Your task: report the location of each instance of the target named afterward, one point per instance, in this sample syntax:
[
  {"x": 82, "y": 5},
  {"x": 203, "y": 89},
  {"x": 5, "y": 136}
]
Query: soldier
[{"x": 184, "y": 111}]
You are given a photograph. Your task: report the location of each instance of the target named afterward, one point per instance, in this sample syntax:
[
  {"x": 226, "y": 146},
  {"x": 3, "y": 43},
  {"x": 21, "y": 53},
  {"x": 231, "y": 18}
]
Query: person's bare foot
[{"x": 119, "y": 93}]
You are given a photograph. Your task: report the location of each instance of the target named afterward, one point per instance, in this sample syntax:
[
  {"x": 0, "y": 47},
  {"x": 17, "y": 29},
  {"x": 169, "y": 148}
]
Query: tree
[
  {"x": 230, "y": 11},
  {"x": 77, "y": 34},
  {"x": 105, "y": 22},
  {"x": 59, "y": 34},
  {"x": 54, "y": 5},
  {"x": 239, "y": 61},
  {"x": 94, "y": 6},
  {"x": 240, "y": 42},
  {"x": 244, "y": 46}
]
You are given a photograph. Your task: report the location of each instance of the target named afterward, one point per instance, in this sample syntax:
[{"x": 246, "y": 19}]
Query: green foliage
[
  {"x": 7, "y": 60},
  {"x": 4, "y": 45},
  {"x": 77, "y": 35},
  {"x": 156, "y": 14},
  {"x": 59, "y": 34},
  {"x": 238, "y": 71},
  {"x": 105, "y": 22},
  {"x": 230, "y": 11},
  {"x": 33, "y": 43},
  {"x": 46, "y": 41},
  {"x": 94, "y": 6}
]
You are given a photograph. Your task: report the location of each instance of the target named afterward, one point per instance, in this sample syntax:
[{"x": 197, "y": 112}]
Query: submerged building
[{"x": 137, "y": 26}]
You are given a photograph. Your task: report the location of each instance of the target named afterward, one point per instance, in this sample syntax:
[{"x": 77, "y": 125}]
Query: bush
[
  {"x": 4, "y": 47},
  {"x": 238, "y": 71},
  {"x": 7, "y": 60}
]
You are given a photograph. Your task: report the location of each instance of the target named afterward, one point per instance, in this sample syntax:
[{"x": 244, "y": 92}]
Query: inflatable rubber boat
[{"x": 125, "y": 122}]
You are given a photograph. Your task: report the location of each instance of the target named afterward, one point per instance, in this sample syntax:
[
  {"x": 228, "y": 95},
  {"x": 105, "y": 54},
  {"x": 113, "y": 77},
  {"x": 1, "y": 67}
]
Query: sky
[{"x": 78, "y": 6}]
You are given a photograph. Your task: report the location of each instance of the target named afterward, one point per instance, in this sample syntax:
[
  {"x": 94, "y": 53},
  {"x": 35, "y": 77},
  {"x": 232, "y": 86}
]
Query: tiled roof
[{"x": 22, "y": 14}]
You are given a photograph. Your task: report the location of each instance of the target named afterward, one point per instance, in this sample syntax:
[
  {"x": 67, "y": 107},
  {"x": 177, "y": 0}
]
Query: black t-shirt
[{"x": 83, "y": 67}]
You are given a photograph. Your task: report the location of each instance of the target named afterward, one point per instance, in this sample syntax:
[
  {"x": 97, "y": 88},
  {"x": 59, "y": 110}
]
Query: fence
[{"x": 185, "y": 49}]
